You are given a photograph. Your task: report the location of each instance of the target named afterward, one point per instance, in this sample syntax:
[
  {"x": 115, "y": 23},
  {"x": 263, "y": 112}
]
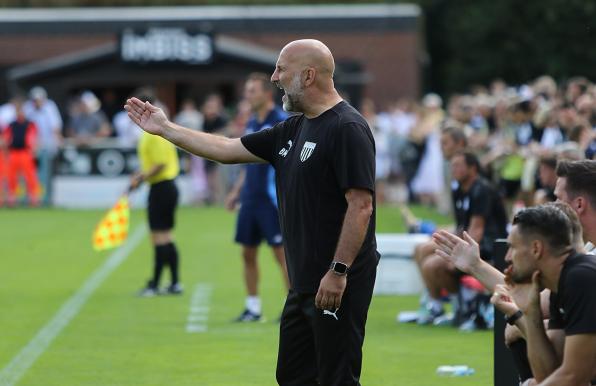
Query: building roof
[
  {"x": 224, "y": 18},
  {"x": 224, "y": 45}
]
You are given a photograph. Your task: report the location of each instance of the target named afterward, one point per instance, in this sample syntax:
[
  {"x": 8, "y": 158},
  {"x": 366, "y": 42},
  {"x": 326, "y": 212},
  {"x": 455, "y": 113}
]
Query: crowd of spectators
[
  {"x": 89, "y": 120},
  {"x": 517, "y": 133}
]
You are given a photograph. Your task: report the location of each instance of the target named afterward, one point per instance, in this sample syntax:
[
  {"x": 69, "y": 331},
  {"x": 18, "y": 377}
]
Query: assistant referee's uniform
[{"x": 163, "y": 199}]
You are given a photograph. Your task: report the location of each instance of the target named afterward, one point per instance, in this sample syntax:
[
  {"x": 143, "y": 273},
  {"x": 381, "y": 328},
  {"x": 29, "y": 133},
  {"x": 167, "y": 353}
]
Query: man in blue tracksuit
[{"x": 255, "y": 191}]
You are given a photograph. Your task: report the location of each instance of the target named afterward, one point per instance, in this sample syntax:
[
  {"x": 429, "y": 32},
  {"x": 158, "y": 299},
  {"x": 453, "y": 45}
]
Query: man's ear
[
  {"x": 309, "y": 76},
  {"x": 537, "y": 249},
  {"x": 580, "y": 205}
]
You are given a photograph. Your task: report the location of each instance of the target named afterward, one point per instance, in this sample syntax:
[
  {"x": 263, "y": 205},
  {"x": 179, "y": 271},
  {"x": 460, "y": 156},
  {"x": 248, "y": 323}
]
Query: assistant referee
[{"x": 160, "y": 167}]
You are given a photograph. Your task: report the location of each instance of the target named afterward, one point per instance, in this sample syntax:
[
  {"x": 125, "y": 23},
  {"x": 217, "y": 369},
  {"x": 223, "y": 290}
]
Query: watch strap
[{"x": 511, "y": 319}]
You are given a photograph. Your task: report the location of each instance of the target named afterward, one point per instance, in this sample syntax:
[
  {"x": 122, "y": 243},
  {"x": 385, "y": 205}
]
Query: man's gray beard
[
  {"x": 292, "y": 104},
  {"x": 293, "y": 101}
]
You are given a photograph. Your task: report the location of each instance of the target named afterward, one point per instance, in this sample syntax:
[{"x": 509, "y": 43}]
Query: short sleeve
[
  {"x": 353, "y": 158},
  {"x": 262, "y": 143},
  {"x": 579, "y": 301}
]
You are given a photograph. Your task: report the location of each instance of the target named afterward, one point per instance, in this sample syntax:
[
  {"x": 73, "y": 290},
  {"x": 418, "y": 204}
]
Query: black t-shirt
[
  {"x": 481, "y": 200},
  {"x": 573, "y": 307},
  {"x": 316, "y": 161}
]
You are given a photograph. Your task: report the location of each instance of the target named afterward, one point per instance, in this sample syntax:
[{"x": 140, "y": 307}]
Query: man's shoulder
[
  {"x": 347, "y": 114},
  {"x": 481, "y": 187},
  {"x": 580, "y": 269},
  {"x": 581, "y": 262},
  {"x": 291, "y": 121}
]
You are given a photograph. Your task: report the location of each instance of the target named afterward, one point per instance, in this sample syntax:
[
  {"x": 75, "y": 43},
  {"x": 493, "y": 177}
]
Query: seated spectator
[{"x": 88, "y": 124}]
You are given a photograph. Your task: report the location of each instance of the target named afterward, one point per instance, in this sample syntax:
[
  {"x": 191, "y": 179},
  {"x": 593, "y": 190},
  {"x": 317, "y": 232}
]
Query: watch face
[{"x": 340, "y": 268}]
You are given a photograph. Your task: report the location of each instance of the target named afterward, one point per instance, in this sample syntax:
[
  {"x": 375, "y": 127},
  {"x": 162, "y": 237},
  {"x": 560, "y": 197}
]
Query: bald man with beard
[{"x": 324, "y": 158}]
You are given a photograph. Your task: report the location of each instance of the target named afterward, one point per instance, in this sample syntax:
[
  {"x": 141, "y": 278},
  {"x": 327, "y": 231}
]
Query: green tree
[{"x": 475, "y": 41}]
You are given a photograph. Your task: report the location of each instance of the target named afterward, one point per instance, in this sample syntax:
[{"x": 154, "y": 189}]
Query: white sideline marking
[
  {"x": 199, "y": 309},
  {"x": 19, "y": 365}
]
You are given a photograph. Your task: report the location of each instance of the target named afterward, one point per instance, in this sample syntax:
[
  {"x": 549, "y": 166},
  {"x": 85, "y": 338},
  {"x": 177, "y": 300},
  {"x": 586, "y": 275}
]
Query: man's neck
[
  {"x": 467, "y": 184},
  {"x": 551, "y": 274},
  {"x": 318, "y": 105}
]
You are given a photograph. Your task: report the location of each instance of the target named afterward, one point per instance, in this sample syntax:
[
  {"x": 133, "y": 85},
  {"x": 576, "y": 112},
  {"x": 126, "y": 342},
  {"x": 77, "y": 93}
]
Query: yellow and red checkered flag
[{"x": 112, "y": 230}]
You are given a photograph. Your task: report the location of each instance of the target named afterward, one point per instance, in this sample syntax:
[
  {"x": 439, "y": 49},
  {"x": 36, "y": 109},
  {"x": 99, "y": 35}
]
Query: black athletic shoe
[
  {"x": 247, "y": 316},
  {"x": 174, "y": 289},
  {"x": 149, "y": 291}
]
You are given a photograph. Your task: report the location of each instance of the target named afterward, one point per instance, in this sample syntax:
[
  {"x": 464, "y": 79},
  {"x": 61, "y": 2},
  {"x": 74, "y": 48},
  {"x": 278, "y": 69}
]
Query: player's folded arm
[{"x": 579, "y": 362}]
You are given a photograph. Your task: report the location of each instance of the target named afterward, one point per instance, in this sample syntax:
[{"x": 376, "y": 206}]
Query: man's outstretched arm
[{"x": 217, "y": 148}]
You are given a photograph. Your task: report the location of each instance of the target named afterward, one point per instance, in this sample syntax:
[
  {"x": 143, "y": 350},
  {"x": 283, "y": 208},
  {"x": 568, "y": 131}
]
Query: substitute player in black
[
  {"x": 478, "y": 206},
  {"x": 325, "y": 168},
  {"x": 478, "y": 210},
  {"x": 541, "y": 252}
]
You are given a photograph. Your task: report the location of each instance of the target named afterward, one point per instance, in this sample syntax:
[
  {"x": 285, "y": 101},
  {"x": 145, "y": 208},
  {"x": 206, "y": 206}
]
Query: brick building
[{"x": 191, "y": 51}]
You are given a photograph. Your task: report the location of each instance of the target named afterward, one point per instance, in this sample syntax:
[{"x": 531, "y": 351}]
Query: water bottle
[{"x": 455, "y": 371}]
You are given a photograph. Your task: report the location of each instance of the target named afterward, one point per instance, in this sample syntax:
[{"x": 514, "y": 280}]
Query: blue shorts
[{"x": 258, "y": 222}]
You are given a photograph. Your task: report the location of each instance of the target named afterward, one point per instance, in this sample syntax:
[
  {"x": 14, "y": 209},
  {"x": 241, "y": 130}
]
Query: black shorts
[
  {"x": 257, "y": 222},
  {"x": 163, "y": 199},
  {"x": 318, "y": 347}
]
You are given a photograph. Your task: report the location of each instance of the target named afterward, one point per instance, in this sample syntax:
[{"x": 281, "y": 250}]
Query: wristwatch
[
  {"x": 339, "y": 268},
  {"x": 514, "y": 317}
]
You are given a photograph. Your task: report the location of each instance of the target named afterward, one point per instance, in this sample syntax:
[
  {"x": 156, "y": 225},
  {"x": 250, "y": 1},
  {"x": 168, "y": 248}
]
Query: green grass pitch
[{"x": 118, "y": 339}]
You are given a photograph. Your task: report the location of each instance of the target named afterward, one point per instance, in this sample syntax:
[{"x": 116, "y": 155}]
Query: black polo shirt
[
  {"x": 483, "y": 200},
  {"x": 316, "y": 161},
  {"x": 573, "y": 307}
]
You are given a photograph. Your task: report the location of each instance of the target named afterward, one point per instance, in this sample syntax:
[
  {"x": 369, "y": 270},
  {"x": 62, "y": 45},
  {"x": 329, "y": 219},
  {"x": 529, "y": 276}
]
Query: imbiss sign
[{"x": 166, "y": 45}]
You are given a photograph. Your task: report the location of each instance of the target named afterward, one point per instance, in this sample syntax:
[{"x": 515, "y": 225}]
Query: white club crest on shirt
[{"x": 307, "y": 150}]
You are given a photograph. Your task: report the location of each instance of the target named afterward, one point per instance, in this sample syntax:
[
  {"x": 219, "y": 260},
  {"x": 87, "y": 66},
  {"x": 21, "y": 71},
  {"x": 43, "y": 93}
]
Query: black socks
[
  {"x": 165, "y": 254},
  {"x": 173, "y": 262}
]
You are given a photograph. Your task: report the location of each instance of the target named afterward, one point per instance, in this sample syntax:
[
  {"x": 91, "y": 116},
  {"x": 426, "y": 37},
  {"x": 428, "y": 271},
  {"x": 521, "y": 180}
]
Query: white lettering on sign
[{"x": 164, "y": 45}]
